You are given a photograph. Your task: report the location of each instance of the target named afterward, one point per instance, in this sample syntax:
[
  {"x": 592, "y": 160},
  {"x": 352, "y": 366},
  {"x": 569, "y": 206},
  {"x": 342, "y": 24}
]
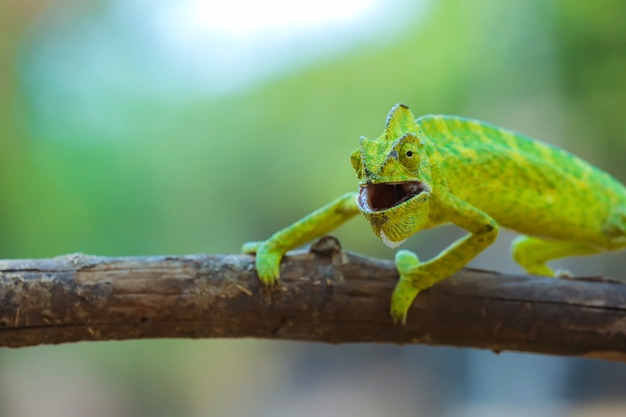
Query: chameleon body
[{"x": 421, "y": 173}]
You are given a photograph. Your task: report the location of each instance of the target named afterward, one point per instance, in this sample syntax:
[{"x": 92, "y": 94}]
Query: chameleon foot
[
  {"x": 251, "y": 248},
  {"x": 405, "y": 291},
  {"x": 267, "y": 261}
]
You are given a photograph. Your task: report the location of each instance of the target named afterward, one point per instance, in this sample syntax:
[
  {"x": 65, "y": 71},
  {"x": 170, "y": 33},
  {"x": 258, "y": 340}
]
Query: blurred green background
[{"x": 137, "y": 127}]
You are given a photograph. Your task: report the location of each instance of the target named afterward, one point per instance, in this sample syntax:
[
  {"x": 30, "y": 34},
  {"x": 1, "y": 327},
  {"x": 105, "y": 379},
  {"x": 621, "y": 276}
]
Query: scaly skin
[{"x": 442, "y": 169}]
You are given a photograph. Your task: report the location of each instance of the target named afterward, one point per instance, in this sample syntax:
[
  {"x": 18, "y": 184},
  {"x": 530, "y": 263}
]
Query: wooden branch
[{"x": 325, "y": 295}]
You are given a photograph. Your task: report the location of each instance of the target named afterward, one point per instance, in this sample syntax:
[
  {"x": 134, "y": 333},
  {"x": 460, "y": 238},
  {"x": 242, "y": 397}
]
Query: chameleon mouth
[{"x": 380, "y": 197}]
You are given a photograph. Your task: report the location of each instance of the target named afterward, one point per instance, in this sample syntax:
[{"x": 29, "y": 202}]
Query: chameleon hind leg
[{"x": 532, "y": 253}]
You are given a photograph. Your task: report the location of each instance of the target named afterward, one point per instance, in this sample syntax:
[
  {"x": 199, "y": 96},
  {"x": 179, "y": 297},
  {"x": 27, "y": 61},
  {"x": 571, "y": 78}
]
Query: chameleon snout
[{"x": 394, "y": 209}]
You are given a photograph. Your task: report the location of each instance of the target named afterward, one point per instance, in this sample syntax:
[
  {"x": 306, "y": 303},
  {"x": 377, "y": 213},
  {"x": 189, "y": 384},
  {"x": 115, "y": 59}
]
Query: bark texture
[{"x": 325, "y": 295}]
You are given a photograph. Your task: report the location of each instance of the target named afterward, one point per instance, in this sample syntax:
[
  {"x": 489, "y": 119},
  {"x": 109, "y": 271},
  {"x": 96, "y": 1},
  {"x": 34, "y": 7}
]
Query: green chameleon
[{"x": 443, "y": 169}]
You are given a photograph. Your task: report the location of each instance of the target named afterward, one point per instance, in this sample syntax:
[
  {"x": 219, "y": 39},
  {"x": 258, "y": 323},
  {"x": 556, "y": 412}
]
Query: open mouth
[{"x": 379, "y": 197}]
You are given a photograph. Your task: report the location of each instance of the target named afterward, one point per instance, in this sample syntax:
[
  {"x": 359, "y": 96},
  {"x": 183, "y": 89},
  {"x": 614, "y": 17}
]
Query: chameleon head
[{"x": 394, "y": 173}]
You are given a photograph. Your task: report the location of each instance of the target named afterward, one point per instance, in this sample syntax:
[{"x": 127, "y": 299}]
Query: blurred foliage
[
  {"x": 208, "y": 173},
  {"x": 205, "y": 173}
]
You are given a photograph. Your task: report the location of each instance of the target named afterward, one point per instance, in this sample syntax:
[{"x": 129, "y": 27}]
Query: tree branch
[{"x": 325, "y": 295}]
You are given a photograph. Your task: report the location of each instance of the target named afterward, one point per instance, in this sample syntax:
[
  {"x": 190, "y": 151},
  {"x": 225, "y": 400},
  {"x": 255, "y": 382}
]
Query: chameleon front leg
[
  {"x": 270, "y": 252},
  {"x": 416, "y": 276}
]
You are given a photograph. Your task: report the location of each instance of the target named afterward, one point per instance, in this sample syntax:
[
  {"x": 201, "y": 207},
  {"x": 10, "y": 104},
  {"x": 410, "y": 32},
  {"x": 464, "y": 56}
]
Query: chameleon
[{"x": 436, "y": 169}]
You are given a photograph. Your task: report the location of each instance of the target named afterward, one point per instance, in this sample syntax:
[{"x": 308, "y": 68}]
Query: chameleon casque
[{"x": 421, "y": 173}]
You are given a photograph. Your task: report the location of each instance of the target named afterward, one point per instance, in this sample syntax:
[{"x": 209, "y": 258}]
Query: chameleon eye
[{"x": 408, "y": 155}]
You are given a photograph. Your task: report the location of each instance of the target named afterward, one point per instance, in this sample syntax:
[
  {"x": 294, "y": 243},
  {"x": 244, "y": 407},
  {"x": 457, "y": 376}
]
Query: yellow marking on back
[
  {"x": 475, "y": 127},
  {"x": 510, "y": 140},
  {"x": 442, "y": 125}
]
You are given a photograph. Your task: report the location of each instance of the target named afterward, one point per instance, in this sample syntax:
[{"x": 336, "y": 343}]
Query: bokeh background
[{"x": 156, "y": 127}]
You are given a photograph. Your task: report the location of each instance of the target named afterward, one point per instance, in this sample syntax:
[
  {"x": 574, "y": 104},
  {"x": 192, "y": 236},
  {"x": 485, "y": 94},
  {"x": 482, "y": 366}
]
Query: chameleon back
[{"x": 525, "y": 185}]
